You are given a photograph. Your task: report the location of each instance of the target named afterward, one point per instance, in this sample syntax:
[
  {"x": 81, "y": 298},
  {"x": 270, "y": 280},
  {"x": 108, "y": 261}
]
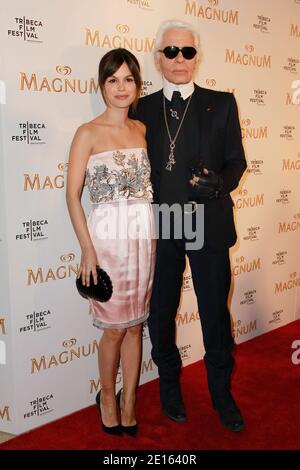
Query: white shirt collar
[{"x": 186, "y": 89}]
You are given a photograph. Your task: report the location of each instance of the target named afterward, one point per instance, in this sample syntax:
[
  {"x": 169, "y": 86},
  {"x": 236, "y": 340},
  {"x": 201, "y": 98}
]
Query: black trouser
[{"x": 211, "y": 278}]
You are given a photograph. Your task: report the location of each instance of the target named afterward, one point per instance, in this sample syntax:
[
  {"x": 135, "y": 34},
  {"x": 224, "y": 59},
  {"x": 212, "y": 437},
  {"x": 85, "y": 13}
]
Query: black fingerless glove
[{"x": 207, "y": 187}]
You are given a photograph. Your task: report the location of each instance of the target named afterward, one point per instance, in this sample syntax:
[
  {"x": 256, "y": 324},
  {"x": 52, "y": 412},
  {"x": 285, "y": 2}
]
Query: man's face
[{"x": 178, "y": 70}]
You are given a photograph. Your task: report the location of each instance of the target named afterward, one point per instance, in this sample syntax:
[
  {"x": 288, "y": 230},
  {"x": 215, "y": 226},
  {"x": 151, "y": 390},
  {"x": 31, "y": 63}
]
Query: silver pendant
[
  {"x": 171, "y": 160},
  {"x": 174, "y": 114}
]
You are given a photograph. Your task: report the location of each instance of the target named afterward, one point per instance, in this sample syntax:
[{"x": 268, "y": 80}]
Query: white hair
[{"x": 175, "y": 24}]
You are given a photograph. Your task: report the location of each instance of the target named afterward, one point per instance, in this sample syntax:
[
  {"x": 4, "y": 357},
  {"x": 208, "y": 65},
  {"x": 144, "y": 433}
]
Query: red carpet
[{"x": 266, "y": 385}]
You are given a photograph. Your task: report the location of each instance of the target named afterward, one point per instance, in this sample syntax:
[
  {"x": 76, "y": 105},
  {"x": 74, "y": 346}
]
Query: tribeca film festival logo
[
  {"x": 288, "y": 133},
  {"x": 284, "y": 195},
  {"x": 291, "y": 226},
  {"x": 27, "y": 29},
  {"x": 252, "y": 234},
  {"x": 40, "y": 406},
  {"x": 259, "y": 97},
  {"x": 36, "y": 321},
  {"x": 142, "y": 4},
  {"x": 211, "y": 11},
  {"x": 146, "y": 87},
  {"x": 33, "y": 230},
  {"x": 71, "y": 352},
  {"x": 63, "y": 82},
  {"x": 241, "y": 329},
  {"x": 2, "y": 342},
  {"x": 280, "y": 258},
  {"x": 30, "y": 133},
  {"x": 276, "y": 317},
  {"x": 248, "y": 58},
  {"x": 254, "y": 167},
  {"x": 63, "y": 271},
  {"x": 291, "y": 65},
  {"x": 289, "y": 164},
  {"x": 185, "y": 352},
  {"x": 251, "y": 132},
  {"x": 262, "y": 24},
  {"x": 296, "y": 354},
  {"x": 287, "y": 284},
  {"x": 187, "y": 284},
  {"x": 243, "y": 266},
  {"x": 37, "y": 182},
  {"x": 244, "y": 200},
  {"x": 249, "y": 297},
  {"x": 123, "y": 38}
]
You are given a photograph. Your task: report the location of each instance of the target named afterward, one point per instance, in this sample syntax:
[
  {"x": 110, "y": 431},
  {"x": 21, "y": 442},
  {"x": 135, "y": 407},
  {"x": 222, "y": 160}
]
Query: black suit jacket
[{"x": 221, "y": 150}]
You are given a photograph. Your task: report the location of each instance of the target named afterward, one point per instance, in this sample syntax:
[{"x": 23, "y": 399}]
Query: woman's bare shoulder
[{"x": 139, "y": 125}]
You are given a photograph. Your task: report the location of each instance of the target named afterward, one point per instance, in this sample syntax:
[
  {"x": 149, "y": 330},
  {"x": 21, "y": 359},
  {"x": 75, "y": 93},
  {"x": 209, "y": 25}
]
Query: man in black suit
[{"x": 196, "y": 154}]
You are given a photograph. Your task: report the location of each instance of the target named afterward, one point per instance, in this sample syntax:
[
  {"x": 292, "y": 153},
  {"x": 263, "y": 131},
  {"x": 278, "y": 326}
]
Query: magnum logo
[
  {"x": 243, "y": 266},
  {"x": 290, "y": 165},
  {"x": 4, "y": 414},
  {"x": 71, "y": 352},
  {"x": 250, "y": 132},
  {"x": 40, "y": 276},
  {"x": 291, "y": 283},
  {"x": 292, "y": 226},
  {"x": 36, "y": 182},
  {"x": 242, "y": 329},
  {"x": 245, "y": 201},
  {"x": 247, "y": 59},
  {"x": 295, "y": 31},
  {"x": 2, "y": 326},
  {"x": 35, "y": 83},
  {"x": 211, "y": 82},
  {"x": 211, "y": 11},
  {"x": 107, "y": 41},
  {"x": 186, "y": 318}
]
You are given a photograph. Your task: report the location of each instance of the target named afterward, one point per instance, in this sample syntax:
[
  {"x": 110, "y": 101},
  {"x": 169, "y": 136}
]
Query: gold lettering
[
  {"x": 25, "y": 81},
  {"x": 35, "y": 278},
  {"x": 38, "y": 366}
]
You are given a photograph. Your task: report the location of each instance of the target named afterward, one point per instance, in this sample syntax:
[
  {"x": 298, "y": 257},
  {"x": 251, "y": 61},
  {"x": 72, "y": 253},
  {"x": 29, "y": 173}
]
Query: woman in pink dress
[{"x": 110, "y": 153}]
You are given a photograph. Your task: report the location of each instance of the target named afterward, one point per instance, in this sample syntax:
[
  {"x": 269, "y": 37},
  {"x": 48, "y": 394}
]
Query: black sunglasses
[{"x": 171, "y": 52}]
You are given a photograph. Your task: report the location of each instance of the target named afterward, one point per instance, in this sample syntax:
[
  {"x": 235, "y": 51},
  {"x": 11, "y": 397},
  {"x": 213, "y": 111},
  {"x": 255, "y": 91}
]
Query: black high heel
[
  {"x": 115, "y": 430},
  {"x": 130, "y": 430}
]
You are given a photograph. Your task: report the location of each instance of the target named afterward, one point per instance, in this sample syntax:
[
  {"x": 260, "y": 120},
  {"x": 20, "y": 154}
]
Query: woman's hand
[{"x": 88, "y": 265}]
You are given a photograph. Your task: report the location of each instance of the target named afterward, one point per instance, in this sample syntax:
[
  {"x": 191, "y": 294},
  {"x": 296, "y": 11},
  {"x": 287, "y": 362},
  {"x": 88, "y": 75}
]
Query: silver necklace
[{"x": 171, "y": 160}]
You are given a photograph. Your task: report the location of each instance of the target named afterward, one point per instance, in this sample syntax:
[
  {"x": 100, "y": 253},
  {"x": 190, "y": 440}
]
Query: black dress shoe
[
  {"x": 174, "y": 410},
  {"x": 115, "y": 430},
  {"x": 130, "y": 430},
  {"x": 232, "y": 419}
]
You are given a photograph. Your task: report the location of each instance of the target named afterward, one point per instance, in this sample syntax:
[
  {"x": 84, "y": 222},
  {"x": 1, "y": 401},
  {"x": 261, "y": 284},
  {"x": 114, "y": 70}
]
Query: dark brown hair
[{"x": 112, "y": 61}]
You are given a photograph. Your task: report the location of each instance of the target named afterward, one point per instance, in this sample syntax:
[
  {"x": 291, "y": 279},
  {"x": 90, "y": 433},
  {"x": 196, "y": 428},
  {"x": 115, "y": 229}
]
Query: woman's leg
[
  {"x": 131, "y": 351},
  {"x": 109, "y": 356}
]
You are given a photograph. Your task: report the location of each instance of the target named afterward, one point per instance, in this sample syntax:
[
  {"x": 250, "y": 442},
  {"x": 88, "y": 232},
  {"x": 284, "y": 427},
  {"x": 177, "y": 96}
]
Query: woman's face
[{"x": 120, "y": 89}]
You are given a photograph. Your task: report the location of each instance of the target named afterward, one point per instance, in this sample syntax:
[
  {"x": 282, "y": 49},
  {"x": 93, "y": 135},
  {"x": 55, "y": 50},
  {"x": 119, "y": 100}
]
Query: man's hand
[{"x": 204, "y": 184}]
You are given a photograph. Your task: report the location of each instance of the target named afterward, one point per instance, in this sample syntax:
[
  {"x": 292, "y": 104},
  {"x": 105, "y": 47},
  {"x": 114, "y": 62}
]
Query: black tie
[{"x": 176, "y": 103}]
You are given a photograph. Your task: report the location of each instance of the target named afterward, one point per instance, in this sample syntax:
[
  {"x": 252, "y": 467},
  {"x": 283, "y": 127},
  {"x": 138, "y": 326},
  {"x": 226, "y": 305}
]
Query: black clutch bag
[{"x": 101, "y": 291}]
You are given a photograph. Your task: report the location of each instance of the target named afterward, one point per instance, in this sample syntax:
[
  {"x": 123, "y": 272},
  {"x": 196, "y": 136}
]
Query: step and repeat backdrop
[{"x": 48, "y": 87}]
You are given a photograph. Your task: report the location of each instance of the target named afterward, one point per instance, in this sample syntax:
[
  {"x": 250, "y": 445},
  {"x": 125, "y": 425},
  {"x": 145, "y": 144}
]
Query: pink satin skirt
[{"x": 123, "y": 234}]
